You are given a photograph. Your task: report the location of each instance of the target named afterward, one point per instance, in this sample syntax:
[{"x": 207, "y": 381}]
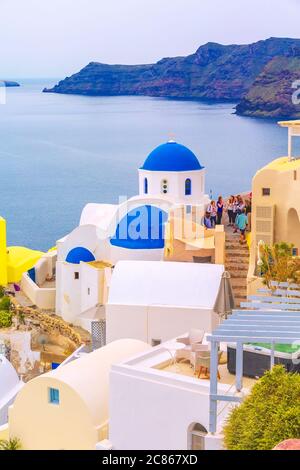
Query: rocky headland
[{"x": 259, "y": 77}]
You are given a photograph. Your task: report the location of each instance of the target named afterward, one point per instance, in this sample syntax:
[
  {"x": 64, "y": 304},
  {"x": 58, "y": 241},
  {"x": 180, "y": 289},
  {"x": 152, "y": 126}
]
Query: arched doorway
[
  {"x": 196, "y": 436},
  {"x": 293, "y": 228}
]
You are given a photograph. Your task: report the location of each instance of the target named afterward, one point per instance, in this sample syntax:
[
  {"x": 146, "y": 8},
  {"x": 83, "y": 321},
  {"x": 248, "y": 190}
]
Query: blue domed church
[
  {"x": 171, "y": 182},
  {"x": 173, "y": 172}
]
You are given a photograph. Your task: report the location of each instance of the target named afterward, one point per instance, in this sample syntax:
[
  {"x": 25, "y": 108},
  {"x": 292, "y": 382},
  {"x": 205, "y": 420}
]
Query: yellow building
[
  {"x": 3, "y": 253},
  {"x": 14, "y": 260},
  {"x": 276, "y": 203}
]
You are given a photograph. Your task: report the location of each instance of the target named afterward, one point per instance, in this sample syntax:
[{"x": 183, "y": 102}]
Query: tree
[
  {"x": 10, "y": 444},
  {"x": 268, "y": 416},
  {"x": 277, "y": 263}
]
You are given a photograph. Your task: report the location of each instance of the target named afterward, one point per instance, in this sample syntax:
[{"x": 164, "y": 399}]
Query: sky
[{"x": 56, "y": 38}]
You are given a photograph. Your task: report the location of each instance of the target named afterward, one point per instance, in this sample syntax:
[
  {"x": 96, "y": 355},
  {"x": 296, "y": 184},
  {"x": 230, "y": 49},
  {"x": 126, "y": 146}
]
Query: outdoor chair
[
  {"x": 202, "y": 360},
  {"x": 195, "y": 337}
]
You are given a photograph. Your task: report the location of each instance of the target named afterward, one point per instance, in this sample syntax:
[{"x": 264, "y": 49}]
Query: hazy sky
[{"x": 55, "y": 38}]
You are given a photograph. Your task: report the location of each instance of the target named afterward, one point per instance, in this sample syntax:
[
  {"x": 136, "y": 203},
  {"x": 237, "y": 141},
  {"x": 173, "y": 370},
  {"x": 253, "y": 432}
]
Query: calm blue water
[{"x": 60, "y": 152}]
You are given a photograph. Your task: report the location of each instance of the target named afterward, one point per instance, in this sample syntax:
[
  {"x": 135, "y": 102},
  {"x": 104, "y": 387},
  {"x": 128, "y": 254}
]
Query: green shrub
[
  {"x": 2, "y": 292},
  {"x": 5, "y": 319},
  {"x": 11, "y": 444},
  {"x": 268, "y": 416},
  {"x": 5, "y": 303}
]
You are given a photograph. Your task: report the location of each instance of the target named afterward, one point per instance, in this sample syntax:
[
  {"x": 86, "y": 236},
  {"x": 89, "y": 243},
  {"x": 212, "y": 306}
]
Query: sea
[{"x": 60, "y": 152}]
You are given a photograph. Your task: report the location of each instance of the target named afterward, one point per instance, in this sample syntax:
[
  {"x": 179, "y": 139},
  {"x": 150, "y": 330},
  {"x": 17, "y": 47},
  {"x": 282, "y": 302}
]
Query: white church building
[
  {"x": 76, "y": 277},
  {"x": 170, "y": 178}
]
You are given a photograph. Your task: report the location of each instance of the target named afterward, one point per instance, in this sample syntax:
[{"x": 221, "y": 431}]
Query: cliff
[
  {"x": 215, "y": 72},
  {"x": 272, "y": 94}
]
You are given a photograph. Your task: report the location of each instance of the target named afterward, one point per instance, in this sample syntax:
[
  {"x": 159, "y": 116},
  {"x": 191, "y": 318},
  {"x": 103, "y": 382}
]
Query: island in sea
[
  {"x": 259, "y": 77},
  {"x": 9, "y": 83}
]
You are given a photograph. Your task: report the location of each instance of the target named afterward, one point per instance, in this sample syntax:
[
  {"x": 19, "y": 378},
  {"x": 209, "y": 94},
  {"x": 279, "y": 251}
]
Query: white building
[
  {"x": 156, "y": 301},
  {"x": 10, "y": 385},
  {"x": 170, "y": 178},
  {"x": 158, "y": 405}
]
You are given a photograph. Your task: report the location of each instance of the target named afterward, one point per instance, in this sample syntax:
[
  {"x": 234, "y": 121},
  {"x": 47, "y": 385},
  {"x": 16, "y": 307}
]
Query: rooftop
[
  {"x": 184, "y": 368},
  {"x": 283, "y": 164},
  {"x": 192, "y": 285},
  {"x": 100, "y": 264},
  {"x": 295, "y": 123},
  {"x": 172, "y": 157},
  {"x": 160, "y": 362}
]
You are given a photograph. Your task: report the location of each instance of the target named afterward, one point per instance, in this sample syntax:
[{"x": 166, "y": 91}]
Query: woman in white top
[
  {"x": 212, "y": 210},
  {"x": 230, "y": 211}
]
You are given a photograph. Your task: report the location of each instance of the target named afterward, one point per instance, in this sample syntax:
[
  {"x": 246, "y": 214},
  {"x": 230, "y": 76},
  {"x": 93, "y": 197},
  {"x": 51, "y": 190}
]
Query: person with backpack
[{"x": 241, "y": 224}]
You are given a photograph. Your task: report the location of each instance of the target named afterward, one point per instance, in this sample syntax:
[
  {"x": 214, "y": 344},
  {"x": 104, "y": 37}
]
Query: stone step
[
  {"x": 236, "y": 246},
  {"x": 240, "y": 298},
  {"x": 237, "y": 253},
  {"x": 239, "y": 275},
  {"x": 242, "y": 273},
  {"x": 239, "y": 290},
  {"x": 239, "y": 282},
  {"x": 236, "y": 261},
  {"x": 240, "y": 264}
]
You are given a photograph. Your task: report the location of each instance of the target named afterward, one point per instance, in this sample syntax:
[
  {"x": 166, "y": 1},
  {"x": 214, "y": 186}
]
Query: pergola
[{"x": 248, "y": 326}]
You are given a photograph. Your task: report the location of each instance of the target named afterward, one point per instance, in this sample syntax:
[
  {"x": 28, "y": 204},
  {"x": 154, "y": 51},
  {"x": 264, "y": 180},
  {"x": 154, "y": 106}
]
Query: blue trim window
[
  {"x": 54, "y": 396},
  {"x": 146, "y": 185},
  {"x": 188, "y": 187}
]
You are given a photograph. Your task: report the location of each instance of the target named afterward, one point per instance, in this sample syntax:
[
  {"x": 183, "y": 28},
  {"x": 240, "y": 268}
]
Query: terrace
[{"x": 246, "y": 328}]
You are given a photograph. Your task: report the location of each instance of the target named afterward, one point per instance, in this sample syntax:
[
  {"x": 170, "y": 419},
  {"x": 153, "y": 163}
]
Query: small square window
[
  {"x": 76, "y": 275},
  {"x": 188, "y": 209},
  {"x": 266, "y": 191},
  {"x": 295, "y": 252},
  {"x": 54, "y": 396}
]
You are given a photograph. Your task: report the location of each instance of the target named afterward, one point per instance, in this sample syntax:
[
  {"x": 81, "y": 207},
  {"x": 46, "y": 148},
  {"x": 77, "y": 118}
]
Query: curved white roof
[
  {"x": 165, "y": 283},
  {"x": 100, "y": 215},
  {"x": 8, "y": 377},
  {"x": 88, "y": 376}
]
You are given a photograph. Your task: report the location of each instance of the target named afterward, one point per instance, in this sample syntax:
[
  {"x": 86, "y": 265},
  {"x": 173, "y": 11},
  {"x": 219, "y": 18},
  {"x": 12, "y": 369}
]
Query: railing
[{"x": 75, "y": 355}]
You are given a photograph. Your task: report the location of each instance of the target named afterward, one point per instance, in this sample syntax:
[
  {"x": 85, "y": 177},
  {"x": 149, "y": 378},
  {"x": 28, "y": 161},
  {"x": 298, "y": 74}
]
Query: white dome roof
[{"x": 8, "y": 377}]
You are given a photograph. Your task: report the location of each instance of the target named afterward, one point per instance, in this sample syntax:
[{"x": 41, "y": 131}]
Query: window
[
  {"x": 196, "y": 437},
  {"x": 188, "y": 209},
  {"x": 54, "y": 396},
  {"x": 146, "y": 185},
  {"x": 164, "y": 187},
  {"x": 76, "y": 276},
  {"x": 295, "y": 175},
  {"x": 266, "y": 191},
  {"x": 188, "y": 187},
  {"x": 89, "y": 291},
  {"x": 295, "y": 252}
]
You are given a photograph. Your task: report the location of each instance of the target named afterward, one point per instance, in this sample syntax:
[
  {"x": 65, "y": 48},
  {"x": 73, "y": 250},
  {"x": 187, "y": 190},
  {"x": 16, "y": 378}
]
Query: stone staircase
[{"x": 237, "y": 264}]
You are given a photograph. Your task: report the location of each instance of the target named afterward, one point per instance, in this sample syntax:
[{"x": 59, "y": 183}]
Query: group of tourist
[{"x": 238, "y": 211}]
